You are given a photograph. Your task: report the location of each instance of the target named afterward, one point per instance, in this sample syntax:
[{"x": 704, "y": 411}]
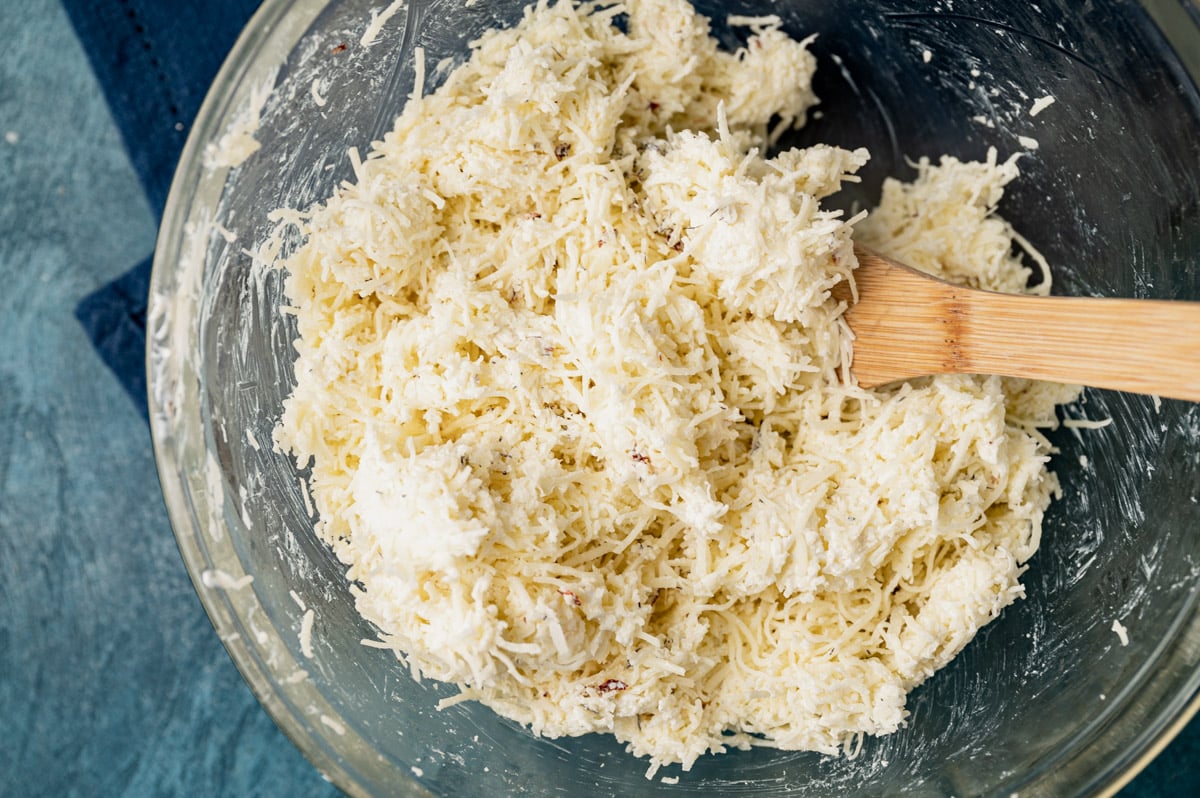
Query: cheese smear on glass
[{"x": 568, "y": 386}]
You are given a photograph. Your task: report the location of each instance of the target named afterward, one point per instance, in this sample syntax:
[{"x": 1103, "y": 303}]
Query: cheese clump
[{"x": 568, "y": 386}]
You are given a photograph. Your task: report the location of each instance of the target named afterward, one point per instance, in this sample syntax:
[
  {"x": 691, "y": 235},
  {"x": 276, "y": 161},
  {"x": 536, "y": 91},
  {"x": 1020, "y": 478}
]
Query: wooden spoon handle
[
  {"x": 927, "y": 326},
  {"x": 1142, "y": 346}
]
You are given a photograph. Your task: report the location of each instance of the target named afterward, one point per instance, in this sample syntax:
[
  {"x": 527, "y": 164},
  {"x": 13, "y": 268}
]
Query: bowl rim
[{"x": 275, "y": 21}]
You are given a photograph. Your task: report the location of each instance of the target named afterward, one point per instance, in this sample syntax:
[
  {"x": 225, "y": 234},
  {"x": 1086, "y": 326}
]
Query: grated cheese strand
[{"x": 567, "y": 381}]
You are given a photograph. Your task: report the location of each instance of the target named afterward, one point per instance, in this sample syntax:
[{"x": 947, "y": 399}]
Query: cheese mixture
[{"x": 568, "y": 386}]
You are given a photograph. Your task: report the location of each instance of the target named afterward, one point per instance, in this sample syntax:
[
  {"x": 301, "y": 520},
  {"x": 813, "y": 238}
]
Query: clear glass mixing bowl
[{"x": 1047, "y": 701}]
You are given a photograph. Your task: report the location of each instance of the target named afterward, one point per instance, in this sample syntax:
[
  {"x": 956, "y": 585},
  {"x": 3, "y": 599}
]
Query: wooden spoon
[{"x": 909, "y": 324}]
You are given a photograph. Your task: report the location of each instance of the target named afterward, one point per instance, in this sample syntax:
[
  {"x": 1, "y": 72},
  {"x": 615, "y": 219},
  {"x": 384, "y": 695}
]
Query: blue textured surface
[{"x": 112, "y": 681}]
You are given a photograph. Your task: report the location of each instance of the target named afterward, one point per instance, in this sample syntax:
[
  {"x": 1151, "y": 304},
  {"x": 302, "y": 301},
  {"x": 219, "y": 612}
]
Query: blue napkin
[{"x": 154, "y": 60}]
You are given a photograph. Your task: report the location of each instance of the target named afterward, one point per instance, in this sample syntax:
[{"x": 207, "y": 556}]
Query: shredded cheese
[
  {"x": 306, "y": 630},
  {"x": 296, "y": 677},
  {"x": 1086, "y": 423},
  {"x": 379, "y": 18},
  {"x": 333, "y": 724},
  {"x": 315, "y": 90},
  {"x": 216, "y": 578},
  {"x": 419, "y": 75},
  {"x": 1041, "y": 104},
  {"x": 238, "y": 142},
  {"x": 567, "y": 382}
]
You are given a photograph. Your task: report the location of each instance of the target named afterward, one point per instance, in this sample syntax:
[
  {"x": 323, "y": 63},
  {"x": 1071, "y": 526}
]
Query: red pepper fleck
[
  {"x": 654, "y": 106},
  {"x": 341, "y": 48},
  {"x": 573, "y": 598},
  {"x": 612, "y": 685},
  {"x": 641, "y": 458}
]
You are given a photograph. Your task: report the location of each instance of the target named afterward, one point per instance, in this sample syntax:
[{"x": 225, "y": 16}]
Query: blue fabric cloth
[{"x": 154, "y": 60}]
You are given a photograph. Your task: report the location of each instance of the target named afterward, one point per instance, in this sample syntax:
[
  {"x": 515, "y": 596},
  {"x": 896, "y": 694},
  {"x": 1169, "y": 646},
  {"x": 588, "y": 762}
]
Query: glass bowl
[{"x": 1048, "y": 700}]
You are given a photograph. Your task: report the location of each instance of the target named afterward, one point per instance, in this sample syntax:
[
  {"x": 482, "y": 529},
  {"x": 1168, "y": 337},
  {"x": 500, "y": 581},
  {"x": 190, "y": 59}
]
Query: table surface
[{"x": 112, "y": 681}]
